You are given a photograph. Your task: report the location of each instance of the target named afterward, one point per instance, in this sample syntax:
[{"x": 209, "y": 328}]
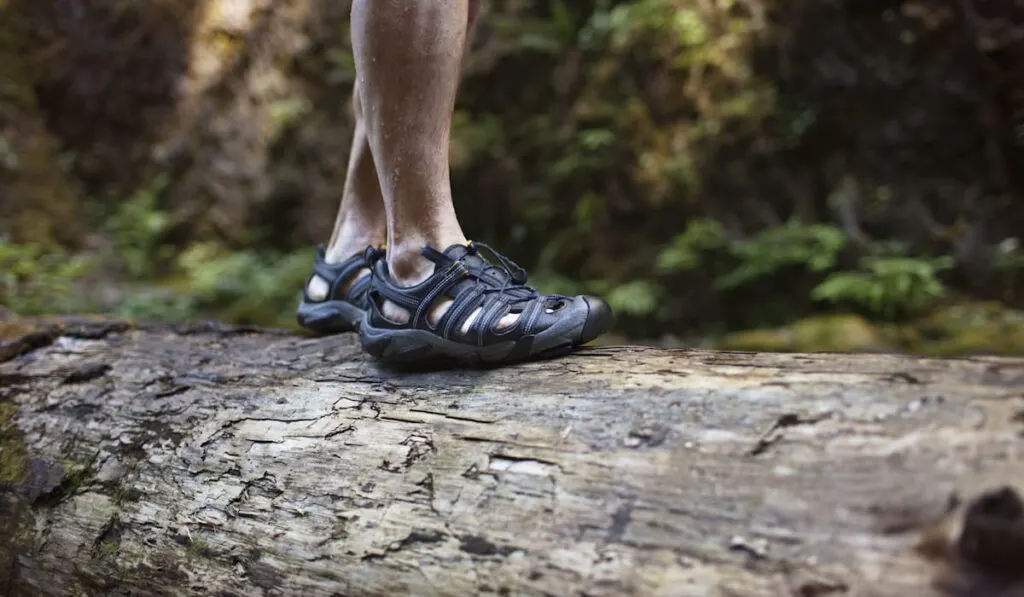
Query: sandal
[
  {"x": 340, "y": 311},
  {"x": 546, "y": 326}
]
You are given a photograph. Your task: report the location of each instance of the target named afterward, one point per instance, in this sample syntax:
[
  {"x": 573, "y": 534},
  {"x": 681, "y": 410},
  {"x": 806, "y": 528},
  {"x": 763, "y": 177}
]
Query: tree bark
[{"x": 206, "y": 460}]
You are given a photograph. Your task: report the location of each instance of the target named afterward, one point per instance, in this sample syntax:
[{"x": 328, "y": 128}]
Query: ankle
[
  {"x": 408, "y": 266},
  {"x": 342, "y": 249}
]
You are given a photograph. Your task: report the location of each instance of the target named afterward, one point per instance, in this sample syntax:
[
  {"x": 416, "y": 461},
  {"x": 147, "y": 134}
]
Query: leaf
[
  {"x": 638, "y": 297},
  {"x": 685, "y": 252}
]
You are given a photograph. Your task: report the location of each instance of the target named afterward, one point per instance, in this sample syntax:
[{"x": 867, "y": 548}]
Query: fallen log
[{"x": 209, "y": 460}]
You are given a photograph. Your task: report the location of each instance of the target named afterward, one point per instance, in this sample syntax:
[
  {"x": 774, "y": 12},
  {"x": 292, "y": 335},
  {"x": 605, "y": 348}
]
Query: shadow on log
[{"x": 148, "y": 460}]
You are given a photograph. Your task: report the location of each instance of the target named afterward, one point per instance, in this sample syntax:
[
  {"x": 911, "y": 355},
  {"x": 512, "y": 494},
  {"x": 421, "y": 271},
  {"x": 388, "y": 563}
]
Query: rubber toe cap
[{"x": 599, "y": 319}]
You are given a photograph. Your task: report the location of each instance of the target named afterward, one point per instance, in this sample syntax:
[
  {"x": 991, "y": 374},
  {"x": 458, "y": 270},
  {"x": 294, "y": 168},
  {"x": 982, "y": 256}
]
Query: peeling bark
[{"x": 227, "y": 461}]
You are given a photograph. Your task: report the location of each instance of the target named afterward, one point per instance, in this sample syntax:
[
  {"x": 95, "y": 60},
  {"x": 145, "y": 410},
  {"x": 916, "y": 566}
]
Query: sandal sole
[
  {"x": 408, "y": 347},
  {"x": 330, "y": 317}
]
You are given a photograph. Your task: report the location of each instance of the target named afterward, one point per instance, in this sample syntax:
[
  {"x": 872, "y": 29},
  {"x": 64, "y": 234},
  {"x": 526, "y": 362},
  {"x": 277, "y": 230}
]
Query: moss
[
  {"x": 966, "y": 328},
  {"x": 201, "y": 549},
  {"x": 109, "y": 548},
  {"x": 826, "y": 333},
  {"x": 73, "y": 476},
  {"x": 13, "y": 453},
  {"x": 845, "y": 333},
  {"x": 970, "y": 328},
  {"x": 13, "y": 460},
  {"x": 17, "y": 327},
  {"x": 77, "y": 474},
  {"x": 766, "y": 340},
  {"x": 7, "y": 410}
]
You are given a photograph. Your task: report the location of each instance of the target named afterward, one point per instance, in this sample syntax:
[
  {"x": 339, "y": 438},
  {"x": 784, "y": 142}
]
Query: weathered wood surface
[{"x": 212, "y": 461}]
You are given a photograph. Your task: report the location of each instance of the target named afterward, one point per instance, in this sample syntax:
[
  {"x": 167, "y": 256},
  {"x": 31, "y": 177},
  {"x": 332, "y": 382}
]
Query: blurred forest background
[{"x": 767, "y": 174}]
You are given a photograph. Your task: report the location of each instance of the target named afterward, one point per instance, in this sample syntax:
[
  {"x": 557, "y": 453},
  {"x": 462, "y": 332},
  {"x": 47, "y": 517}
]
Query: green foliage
[
  {"x": 237, "y": 287},
  {"x": 139, "y": 230},
  {"x": 244, "y": 287},
  {"x": 156, "y": 304},
  {"x": 1009, "y": 256},
  {"x": 637, "y": 298},
  {"x": 888, "y": 286},
  {"x": 36, "y": 281},
  {"x": 287, "y": 111},
  {"x": 813, "y": 246},
  {"x": 686, "y": 250},
  {"x": 685, "y": 26}
]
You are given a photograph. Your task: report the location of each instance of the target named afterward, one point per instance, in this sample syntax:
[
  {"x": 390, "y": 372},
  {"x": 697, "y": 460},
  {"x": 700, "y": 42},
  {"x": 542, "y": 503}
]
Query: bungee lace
[{"x": 515, "y": 281}]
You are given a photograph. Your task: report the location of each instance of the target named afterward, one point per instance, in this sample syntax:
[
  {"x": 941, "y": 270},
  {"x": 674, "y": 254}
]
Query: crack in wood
[
  {"x": 454, "y": 417},
  {"x": 774, "y": 434},
  {"x": 478, "y": 545}
]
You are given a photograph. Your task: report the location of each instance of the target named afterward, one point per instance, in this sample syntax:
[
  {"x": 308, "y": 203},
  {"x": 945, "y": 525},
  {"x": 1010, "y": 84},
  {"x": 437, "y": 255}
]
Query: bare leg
[
  {"x": 360, "y": 221},
  {"x": 408, "y": 57},
  {"x": 408, "y": 93}
]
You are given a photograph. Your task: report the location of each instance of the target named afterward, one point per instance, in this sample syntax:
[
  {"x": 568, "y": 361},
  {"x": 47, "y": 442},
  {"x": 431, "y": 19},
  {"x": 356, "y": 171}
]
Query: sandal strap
[
  {"x": 395, "y": 295},
  {"x": 475, "y": 285},
  {"x": 455, "y": 273},
  {"x": 528, "y": 318},
  {"x": 489, "y": 318},
  {"x": 336, "y": 273},
  {"x": 359, "y": 287},
  {"x": 460, "y": 310}
]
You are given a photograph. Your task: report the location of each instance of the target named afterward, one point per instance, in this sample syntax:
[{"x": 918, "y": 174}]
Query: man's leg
[
  {"x": 360, "y": 221},
  {"x": 453, "y": 304},
  {"x": 361, "y": 217},
  {"x": 408, "y": 57}
]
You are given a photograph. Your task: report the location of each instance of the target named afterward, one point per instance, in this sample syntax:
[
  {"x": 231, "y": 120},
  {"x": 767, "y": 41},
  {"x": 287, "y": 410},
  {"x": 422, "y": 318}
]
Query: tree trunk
[
  {"x": 37, "y": 203},
  {"x": 148, "y": 460},
  {"x": 239, "y": 104}
]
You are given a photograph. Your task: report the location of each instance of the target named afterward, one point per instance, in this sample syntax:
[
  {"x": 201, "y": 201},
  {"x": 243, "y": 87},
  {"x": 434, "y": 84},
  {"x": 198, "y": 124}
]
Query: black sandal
[
  {"x": 547, "y": 326},
  {"x": 339, "y": 311}
]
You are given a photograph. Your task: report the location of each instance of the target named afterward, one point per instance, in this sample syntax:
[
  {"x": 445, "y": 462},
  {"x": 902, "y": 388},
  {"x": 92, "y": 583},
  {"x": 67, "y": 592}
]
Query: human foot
[
  {"x": 334, "y": 297},
  {"x": 477, "y": 297}
]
